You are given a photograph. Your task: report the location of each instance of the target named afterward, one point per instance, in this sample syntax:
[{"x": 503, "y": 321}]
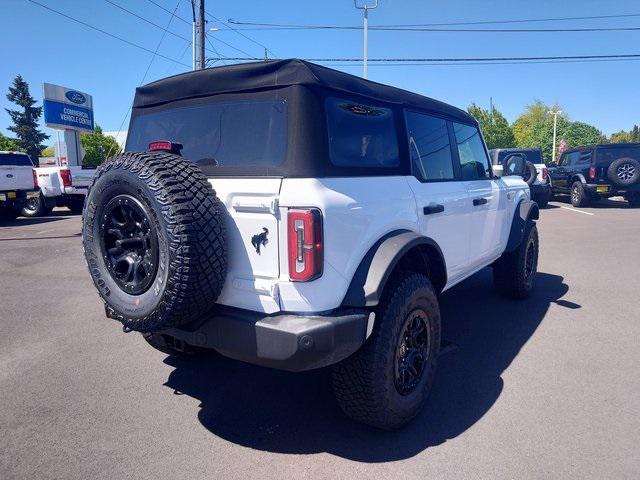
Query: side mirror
[{"x": 514, "y": 164}]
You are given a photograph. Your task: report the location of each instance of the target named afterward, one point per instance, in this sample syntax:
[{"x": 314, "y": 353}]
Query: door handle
[
  {"x": 433, "y": 209},
  {"x": 479, "y": 201}
]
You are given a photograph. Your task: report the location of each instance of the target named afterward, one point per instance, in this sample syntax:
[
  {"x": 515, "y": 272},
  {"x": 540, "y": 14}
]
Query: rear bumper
[
  {"x": 613, "y": 190},
  {"x": 16, "y": 199},
  {"x": 287, "y": 342}
]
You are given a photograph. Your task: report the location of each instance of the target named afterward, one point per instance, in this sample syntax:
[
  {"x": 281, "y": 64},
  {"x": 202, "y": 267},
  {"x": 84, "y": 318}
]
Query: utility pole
[
  {"x": 202, "y": 25},
  {"x": 366, "y": 8},
  {"x": 193, "y": 35},
  {"x": 555, "y": 114}
]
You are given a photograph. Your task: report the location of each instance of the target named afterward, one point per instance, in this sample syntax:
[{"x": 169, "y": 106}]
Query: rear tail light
[
  {"x": 545, "y": 174},
  {"x": 592, "y": 173},
  {"x": 35, "y": 178},
  {"x": 65, "y": 174},
  {"x": 305, "y": 244}
]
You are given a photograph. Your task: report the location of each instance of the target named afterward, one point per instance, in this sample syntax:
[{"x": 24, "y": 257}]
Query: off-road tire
[
  {"x": 634, "y": 200},
  {"x": 186, "y": 221},
  {"x": 579, "y": 197},
  {"x": 171, "y": 346},
  {"x": 40, "y": 208},
  {"x": 510, "y": 275},
  {"x": 631, "y": 172},
  {"x": 531, "y": 175},
  {"x": 365, "y": 383},
  {"x": 543, "y": 200}
]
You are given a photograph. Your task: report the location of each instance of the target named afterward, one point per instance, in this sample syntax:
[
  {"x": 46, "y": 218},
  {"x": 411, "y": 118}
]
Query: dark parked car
[
  {"x": 536, "y": 174},
  {"x": 599, "y": 171}
]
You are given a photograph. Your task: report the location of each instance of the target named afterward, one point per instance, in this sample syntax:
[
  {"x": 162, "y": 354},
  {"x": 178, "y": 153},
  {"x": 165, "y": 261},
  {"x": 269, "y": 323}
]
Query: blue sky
[{"x": 56, "y": 50}]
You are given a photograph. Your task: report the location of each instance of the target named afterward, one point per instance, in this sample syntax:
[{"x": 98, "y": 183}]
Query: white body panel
[
  {"x": 50, "y": 181},
  {"x": 16, "y": 177},
  {"x": 356, "y": 213}
]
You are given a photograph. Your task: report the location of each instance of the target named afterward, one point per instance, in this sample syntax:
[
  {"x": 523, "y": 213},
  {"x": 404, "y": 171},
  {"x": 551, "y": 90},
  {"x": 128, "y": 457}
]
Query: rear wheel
[
  {"x": 36, "y": 207},
  {"x": 634, "y": 200},
  {"x": 514, "y": 273},
  {"x": 76, "y": 204},
  {"x": 578, "y": 195},
  {"x": 385, "y": 383}
]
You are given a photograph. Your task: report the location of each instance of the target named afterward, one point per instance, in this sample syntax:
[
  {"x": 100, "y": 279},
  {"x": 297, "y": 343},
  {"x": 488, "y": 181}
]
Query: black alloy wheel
[
  {"x": 129, "y": 244},
  {"x": 412, "y": 352}
]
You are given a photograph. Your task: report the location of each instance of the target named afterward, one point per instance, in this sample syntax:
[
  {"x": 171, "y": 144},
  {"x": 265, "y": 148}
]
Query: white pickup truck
[
  {"x": 60, "y": 186},
  {"x": 17, "y": 183}
]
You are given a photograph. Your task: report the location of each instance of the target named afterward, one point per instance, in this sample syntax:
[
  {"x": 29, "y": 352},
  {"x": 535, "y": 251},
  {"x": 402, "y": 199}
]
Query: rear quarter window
[
  {"x": 361, "y": 135},
  {"x": 608, "y": 155}
]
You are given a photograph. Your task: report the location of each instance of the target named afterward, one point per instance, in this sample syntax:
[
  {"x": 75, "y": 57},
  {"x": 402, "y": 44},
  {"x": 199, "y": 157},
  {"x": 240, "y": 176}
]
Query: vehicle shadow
[
  {"x": 285, "y": 412},
  {"x": 23, "y": 221},
  {"x": 615, "y": 202}
]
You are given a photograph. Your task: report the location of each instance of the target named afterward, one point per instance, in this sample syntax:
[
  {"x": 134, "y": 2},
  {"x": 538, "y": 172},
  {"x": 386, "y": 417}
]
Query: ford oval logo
[
  {"x": 75, "y": 97},
  {"x": 9, "y": 175}
]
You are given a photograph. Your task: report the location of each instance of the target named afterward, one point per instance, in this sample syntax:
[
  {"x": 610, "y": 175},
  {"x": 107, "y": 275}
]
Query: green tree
[
  {"x": 495, "y": 128},
  {"x": 534, "y": 128},
  {"x": 7, "y": 143},
  {"x": 48, "y": 152},
  {"x": 25, "y": 121},
  {"x": 96, "y": 146},
  {"x": 623, "y": 136}
]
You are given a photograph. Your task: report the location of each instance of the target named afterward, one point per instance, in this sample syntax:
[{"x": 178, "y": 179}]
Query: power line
[
  {"x": 454, "y": 30},
  {"x": 140, "y": 17},
  {"x": 169, "y": 12},
  {"x": 164, "y": 34},
  {"x": 107, "y": 33},
  {"x": 219, "y": 20},
  {"x": 275, "y": 26},
  {"x": 401, "y": 61}
]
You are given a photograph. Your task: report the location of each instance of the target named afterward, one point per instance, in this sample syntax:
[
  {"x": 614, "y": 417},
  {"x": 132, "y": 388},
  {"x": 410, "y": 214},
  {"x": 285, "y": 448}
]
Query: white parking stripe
[{"x": 574, "y": 210}]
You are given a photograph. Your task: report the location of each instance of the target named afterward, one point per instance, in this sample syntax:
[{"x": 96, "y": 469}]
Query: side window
[
  {"x": 473, "y": 158},
  {"x": 570, "y": 158},
  {"x": 585, "y": 157},
  {"x": 429, "y": 147},
  {"x": 361, "y": 135}
]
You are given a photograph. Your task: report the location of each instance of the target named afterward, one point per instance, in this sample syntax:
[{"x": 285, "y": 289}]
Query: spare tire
[
  {"x": 154, "y": 240},
  {"x": 624, "y": 171},
  {"x": 530, "y": 173}
]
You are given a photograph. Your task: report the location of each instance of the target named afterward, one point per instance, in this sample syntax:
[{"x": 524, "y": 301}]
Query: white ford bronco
[{"x": 296, "y": 217}]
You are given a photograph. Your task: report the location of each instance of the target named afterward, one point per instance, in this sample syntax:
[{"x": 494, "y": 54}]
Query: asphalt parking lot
[{"x": 545, "y": 388}]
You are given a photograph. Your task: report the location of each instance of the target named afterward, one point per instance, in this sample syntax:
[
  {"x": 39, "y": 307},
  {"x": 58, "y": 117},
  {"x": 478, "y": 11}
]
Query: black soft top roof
[{"x": 257, "y": 76}]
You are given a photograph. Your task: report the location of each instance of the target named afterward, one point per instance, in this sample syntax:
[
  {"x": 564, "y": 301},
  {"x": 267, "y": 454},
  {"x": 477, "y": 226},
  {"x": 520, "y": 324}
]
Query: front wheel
[
  {"x": 385, "y": 383},
  {"x": 634, "y": 200},
  {"x": 514, "y": 273},
  {"x": 578, "y": 195}
]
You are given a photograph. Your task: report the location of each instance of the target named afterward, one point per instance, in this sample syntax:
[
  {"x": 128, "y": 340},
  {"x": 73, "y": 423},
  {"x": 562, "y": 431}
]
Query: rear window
[
  {"x": 361, "y": 135},
  {"x": 533, "y": 155},
  {"x": 235, "y": 134},
  {"x": 12, "y": 159},
  {"x": 608, "y": 155}
]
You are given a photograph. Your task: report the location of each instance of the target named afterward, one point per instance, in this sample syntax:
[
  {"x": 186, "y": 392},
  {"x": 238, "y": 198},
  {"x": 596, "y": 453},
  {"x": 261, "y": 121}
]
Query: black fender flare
[
  {"x": 578, "y": 176},
  {"x": 526, "y": 211},
  {"x": 374, "y": 270}
]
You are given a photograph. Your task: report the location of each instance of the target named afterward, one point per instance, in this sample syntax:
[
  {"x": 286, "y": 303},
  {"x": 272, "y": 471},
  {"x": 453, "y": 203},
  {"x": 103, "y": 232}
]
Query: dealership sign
[{"x": 67, "y": 109}]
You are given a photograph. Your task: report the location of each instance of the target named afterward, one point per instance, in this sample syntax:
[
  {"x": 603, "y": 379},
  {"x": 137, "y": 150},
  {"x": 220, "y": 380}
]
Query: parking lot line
[{"x": 574, "y": 210}]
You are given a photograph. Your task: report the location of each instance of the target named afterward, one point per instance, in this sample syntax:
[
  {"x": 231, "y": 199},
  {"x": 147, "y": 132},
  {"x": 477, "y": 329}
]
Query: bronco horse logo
[{"x": 260, "y": 239}]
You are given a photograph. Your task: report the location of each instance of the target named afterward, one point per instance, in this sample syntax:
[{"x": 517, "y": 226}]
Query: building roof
[{"x": 256, "y": 76}]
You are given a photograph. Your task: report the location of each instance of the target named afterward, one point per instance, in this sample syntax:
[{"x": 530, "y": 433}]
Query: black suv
[{"x": 597, "y": 171}]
